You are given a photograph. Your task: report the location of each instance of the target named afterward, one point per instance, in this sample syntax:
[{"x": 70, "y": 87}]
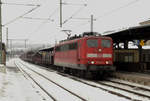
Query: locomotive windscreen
[
  {"x": 106, "y": 43},
  {"x": 92, "y": 43}
]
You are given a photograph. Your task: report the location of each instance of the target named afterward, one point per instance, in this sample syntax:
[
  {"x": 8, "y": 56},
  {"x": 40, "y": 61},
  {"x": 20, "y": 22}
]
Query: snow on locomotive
[{"x": 85, "y": 55}]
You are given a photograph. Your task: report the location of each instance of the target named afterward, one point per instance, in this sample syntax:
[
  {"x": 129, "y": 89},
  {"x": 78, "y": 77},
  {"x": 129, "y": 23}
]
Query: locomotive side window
[
  {"x": 65, "y": 47},
  {"x": 106, "y": 43},
  {"x": 72, "y": 46},
  {"x": 92, "y": 43}
]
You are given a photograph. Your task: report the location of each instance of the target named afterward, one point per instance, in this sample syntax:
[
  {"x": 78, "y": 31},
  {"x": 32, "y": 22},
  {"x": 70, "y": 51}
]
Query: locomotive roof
[
  {"x": 85, "y": 37},
  {"x": 81, "y": 36},
  {"x": 70, "y": 41}
]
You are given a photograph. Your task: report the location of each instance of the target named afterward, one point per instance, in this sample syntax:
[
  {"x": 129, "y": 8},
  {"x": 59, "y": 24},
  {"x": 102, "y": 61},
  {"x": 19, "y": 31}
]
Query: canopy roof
[{"x": 132, "y": 33}]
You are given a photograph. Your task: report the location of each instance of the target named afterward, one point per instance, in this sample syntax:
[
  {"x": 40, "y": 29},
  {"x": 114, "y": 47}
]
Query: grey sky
[{"x": 109, "y": 14}]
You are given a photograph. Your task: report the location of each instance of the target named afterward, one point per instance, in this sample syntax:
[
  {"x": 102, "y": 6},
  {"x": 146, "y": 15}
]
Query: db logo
[{"x": 100, "y": 55}]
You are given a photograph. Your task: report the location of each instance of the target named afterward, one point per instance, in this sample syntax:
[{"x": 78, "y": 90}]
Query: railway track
[
  {"x": 107, "y": 85},
  {"x": 25, "y": 73},
  {"x": 72, "y": 93},
  {"x": 128, "y": 88},
  {"x": 117, "y": 88},
  {"x": 137, "y": 87}
]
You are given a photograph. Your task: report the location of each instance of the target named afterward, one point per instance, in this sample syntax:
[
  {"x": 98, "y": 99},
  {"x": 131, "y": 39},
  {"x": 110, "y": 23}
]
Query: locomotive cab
[{"x": 97, "y": 53}]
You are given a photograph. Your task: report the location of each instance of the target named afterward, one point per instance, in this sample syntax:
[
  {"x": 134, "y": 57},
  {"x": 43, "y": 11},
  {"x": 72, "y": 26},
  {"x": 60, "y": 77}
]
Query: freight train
[{"x": 88, "y": 55}]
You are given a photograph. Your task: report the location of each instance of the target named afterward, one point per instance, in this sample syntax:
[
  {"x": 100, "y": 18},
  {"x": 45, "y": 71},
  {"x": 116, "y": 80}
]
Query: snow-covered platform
[
  {"x": 140, "y": 78},
  {"x": 2, "y": 68},
  {"x": 14, "y": 86}
]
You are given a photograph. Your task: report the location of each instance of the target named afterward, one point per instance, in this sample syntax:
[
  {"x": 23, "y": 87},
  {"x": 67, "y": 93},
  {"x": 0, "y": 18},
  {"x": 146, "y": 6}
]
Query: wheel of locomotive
[
  {"x": 72, "y": 72},
  {"x": 82, "y": 74},
  {"x": 88, "y": 75}
]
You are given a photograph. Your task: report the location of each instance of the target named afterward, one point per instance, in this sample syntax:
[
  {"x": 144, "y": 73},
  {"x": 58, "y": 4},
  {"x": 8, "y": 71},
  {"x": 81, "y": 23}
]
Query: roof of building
[
  {"x": 132, "y": 33},
  {"x": 47, "y": 49}
]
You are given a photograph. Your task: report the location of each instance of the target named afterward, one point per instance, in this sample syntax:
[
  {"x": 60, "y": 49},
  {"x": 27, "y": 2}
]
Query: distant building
[{"x": 146, "y": 23}]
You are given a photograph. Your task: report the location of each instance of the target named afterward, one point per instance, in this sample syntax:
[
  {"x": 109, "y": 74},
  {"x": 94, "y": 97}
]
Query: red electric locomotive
[{"x": 87, "y": 54}]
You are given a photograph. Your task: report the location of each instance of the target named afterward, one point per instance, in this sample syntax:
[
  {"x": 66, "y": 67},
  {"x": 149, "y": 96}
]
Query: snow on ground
[
  {"x": 87, "y": 92},
  {"x": 58, "y": 93},
  {"x": 14, "y": 86}
]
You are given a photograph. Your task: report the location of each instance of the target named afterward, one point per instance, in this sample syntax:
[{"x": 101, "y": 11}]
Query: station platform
[
  {"x": 14, "y": 86},
  {"x": 2, "y": 68},
  {"x": 138, "y": 78}
]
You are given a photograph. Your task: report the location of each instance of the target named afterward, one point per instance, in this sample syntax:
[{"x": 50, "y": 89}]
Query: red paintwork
[
  {"x": 84, "y": 50},
  {"x": 79, "y": 56},
  {"x": 66, "y": 57}
]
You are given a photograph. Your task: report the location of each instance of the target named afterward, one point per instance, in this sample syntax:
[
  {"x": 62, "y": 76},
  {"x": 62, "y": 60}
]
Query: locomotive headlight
[
  {"x": 92, "y": 62},
  {"x": 107, "y": 62},
  {"x": 100, "y": 50}
]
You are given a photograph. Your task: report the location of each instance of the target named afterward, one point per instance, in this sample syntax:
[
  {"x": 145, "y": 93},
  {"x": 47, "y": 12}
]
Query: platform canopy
[
  {"x": 132, "y": 33},
  {"x": 47, "y": 49}
]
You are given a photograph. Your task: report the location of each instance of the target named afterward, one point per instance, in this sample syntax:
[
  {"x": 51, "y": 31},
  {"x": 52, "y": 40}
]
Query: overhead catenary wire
[
  {"x": 42, "y": 24},
  {"x": 37, "y": 18},
  {"x": 117, "y": 9},
  {"x": 109, "y": 12},
  {"x": 82, "y": 18},
  {"x": 74, "y": 14},
  {"x": 46, "y": 20},
  {"x": 20, "y": 4},
  {"x": 17, "y": 18},
  {"x": 65, "y": 3}
]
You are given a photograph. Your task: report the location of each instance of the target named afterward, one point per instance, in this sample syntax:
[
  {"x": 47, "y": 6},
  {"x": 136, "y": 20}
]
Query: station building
[{"x": 147, "y": 22}]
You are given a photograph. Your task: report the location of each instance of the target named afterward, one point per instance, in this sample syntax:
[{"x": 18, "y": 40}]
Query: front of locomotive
[{"x": 98, "y": 53}]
